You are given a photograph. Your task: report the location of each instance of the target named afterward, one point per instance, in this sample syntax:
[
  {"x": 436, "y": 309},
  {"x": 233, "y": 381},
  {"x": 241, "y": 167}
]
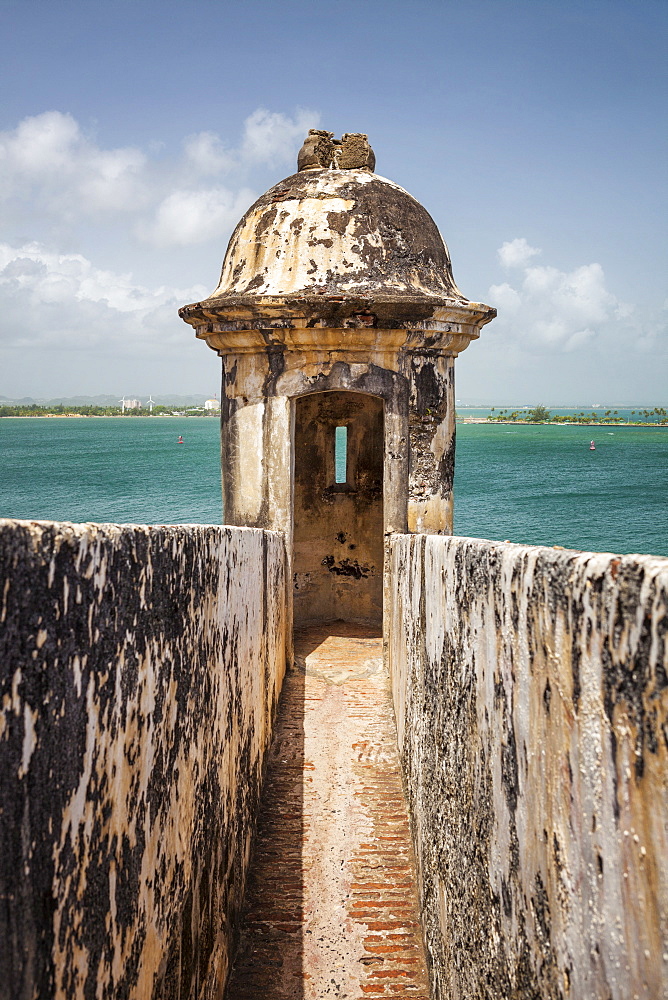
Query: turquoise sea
[{"x": 536, "y": 484}]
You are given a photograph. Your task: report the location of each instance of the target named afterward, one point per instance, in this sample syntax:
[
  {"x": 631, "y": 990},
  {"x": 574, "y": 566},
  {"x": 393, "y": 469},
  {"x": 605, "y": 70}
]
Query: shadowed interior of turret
[{"x": 338, "y": 508}]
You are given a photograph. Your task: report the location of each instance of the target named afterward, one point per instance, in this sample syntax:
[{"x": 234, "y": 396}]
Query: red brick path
[{"x": 330, "y": 908}]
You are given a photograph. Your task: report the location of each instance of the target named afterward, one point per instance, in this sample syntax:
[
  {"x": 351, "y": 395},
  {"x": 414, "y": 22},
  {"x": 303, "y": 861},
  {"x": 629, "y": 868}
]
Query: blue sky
[{"x": 133, "y": 135}]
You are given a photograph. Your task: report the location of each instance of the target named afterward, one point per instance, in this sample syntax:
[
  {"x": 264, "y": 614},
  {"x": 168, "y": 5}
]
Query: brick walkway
[{"x": 330, "y": 908}]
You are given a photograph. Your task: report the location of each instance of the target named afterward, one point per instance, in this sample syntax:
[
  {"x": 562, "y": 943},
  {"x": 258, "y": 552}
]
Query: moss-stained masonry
[
  {"x": 140, "y": 671},
  {"x": 531, "y": 696}
]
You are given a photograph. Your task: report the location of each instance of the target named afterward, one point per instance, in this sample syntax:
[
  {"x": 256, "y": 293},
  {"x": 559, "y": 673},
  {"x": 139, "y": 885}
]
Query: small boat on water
[
  {"x": 180, "y": 441},
  {"x": 592, "y": 446}
]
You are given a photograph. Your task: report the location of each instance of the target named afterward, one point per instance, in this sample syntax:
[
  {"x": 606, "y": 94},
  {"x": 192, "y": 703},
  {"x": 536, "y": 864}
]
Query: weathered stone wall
[
  {"x": 531, "y": 696},
  {"x": 140, "y": 671}
]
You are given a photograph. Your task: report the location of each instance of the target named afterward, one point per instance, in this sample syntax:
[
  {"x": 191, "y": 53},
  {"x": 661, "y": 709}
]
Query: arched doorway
[{"x": 338, "y": 508}]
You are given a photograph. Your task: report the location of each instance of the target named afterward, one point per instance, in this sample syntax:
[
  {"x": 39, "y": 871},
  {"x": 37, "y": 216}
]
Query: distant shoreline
[
  {"x": 558, "y": 423},
  {"x": 103, "y": 416},
  {"x": 206, "y": 416}
]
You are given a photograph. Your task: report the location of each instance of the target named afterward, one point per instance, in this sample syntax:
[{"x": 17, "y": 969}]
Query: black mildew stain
[
  {"x": 446, "y": 466},
  {"x": 348, "y": 567},
  {"x": 276, "y": 365},
  {"x": 428, "y": 389}
]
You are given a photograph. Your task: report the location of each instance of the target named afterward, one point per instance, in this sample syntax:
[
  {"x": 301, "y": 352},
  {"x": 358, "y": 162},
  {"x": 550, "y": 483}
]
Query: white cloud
[
  {"x": 63, "y": 300},
  {"x": 552, "y": 309},
  {"x": 67, "y": 201},
  {"x": 206, "y": 154},
  {"x": 516, "y": 253},
  {"x": 51, "y": 170},
  {"x": 505, "y": 299},
  {"x": 269, "y": 138},
  {"x": 194, "y": 216},
  {"x": 48, "y": 158},
  {"x": 272, "y": 138}
]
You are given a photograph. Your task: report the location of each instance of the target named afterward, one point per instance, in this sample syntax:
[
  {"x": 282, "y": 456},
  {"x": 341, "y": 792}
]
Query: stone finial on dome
[
  {"x": 355, "y": 153},
  {"x": 322, "y": 151},
  {"x": 317, "y": 151}
]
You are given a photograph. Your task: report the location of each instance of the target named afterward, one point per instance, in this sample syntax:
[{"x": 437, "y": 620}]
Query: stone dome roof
[
  {"x": 339, "y": 232},
  {"x": 331, "y": 242}
]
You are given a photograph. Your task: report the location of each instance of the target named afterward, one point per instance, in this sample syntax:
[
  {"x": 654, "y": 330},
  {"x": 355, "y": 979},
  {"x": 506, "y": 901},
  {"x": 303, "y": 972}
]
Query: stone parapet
[
  {"x": 531, "y": 697},
  {"x": 140, "y": 671}
]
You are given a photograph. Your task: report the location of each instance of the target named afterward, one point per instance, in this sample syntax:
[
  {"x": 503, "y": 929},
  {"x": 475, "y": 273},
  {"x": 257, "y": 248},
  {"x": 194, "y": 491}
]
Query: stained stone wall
[
  {"x": 140, "y": 671},
  {"x": 531, "y": 696}
]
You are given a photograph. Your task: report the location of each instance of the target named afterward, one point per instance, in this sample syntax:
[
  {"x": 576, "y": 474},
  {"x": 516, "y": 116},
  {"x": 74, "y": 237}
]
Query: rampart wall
[
  {"x": 531, "y": 699},
  {"x": 140, "y": 670}
]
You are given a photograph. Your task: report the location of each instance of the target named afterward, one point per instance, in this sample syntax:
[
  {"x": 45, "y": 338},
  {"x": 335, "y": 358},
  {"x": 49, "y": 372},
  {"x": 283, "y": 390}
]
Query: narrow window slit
[{"x": 341, "y": 455}]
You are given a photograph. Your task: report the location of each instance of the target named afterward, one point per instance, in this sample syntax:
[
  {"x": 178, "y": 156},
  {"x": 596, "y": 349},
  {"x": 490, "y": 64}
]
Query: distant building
[
  {"x": 212, "y": 404},
  {"x": 132, "y": 404}
]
